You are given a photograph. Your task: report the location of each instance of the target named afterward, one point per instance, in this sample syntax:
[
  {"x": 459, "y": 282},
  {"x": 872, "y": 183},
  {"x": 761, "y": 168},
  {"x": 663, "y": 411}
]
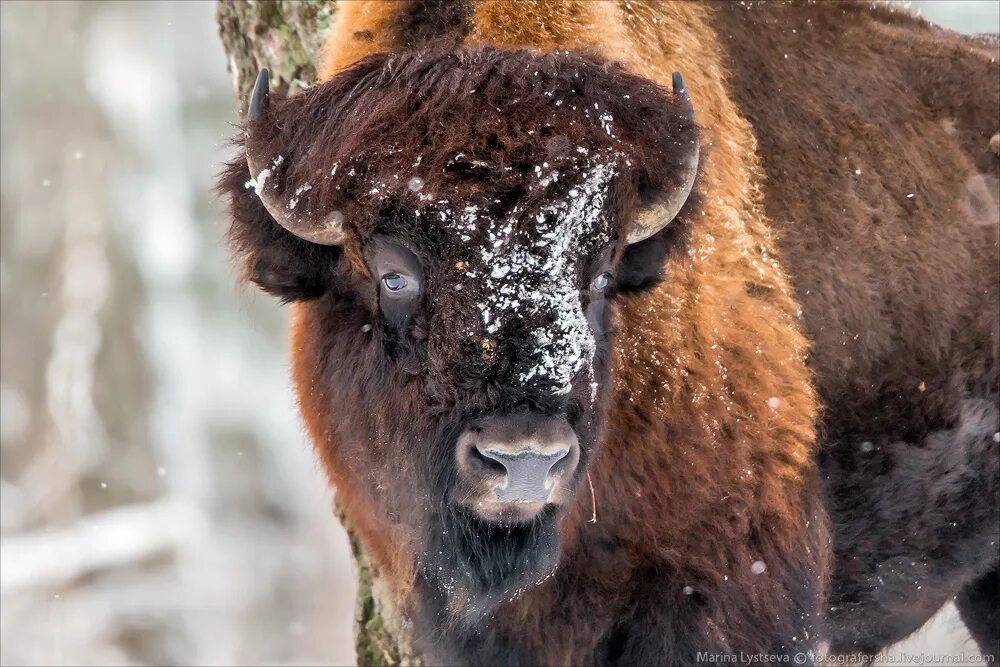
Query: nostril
[
  {"x": 488, "y": 462},
  {"x": 559, "y": 462}
]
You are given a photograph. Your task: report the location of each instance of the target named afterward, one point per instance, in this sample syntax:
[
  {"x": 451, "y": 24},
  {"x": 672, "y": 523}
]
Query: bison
[{"x": 610, "y": 364}]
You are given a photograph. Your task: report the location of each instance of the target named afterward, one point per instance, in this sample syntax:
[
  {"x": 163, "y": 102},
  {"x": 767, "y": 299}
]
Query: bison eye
[
  {"x": 394, "y": 282},
  {"x": 600, "y": 283},
  {"x": 400, "y": 285},
  {"x": 397, "y": 275}
]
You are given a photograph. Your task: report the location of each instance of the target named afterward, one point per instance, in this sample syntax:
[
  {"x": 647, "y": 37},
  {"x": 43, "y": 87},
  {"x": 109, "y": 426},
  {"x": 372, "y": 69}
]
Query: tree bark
[{"x": 287, "y": 37}]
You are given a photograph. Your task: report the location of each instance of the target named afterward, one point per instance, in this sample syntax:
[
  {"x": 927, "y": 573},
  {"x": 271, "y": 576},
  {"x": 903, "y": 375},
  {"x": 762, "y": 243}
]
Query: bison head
[{"x": 459, "y": 223}]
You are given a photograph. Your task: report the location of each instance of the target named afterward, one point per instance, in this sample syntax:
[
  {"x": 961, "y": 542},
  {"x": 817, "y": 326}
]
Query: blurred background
[{"x": 159, "y": 502}]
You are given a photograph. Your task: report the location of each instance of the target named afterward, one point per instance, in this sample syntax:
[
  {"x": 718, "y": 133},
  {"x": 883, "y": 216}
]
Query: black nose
[
  {"x": 528, "y": 474},
  {"x": 513, "y": 465}
]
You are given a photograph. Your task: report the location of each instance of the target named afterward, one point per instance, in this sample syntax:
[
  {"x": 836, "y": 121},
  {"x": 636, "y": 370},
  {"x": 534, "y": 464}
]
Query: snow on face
[{"x": 535, "y": 277}]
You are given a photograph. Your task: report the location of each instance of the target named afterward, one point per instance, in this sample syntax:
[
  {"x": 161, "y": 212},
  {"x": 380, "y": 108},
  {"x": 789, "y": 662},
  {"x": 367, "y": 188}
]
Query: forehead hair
[{"x": 466, "y": 123}]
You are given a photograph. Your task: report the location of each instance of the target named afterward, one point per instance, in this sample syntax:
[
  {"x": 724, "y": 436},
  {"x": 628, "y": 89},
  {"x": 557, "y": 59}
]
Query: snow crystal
[
  {"x": 258, "y": 183},
  {"x": 293, "y": 202},
  {"x": 996, "y": 437},
  {"x": 566, "y": 345},
  {"x": 606, "y": 119},
  {"x": 774, "y": 402},
  {"x": 416, "y": 184},
  {"x": 687, "y": 590},
  {"x": 758, "y": 567}
]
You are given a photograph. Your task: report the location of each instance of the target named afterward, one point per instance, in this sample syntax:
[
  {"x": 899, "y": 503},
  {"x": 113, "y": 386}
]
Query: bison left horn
[
  {"x": 329, "y": 232},
  {"x": 657, "y": 216}
]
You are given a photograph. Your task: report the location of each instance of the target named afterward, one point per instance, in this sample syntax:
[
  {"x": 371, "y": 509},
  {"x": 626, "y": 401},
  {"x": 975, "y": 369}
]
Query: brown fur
[
  {"x": 707, "y": 456},
  {"x": 732, "y": 487},
  {"x": 884, "y": 194}
]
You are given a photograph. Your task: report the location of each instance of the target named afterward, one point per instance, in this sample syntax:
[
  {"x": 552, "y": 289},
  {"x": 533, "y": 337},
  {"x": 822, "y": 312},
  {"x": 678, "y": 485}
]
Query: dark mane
[{"x": 450, "y": 118}]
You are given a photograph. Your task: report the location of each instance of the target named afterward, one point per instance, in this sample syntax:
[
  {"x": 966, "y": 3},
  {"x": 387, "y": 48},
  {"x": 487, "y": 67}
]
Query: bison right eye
[
  {"x": 394, "y": 282},
  {"x": 398, "y": 274}
]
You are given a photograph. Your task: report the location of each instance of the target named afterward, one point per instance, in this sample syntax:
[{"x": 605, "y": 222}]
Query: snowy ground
[{"x": 945, "y": 634}]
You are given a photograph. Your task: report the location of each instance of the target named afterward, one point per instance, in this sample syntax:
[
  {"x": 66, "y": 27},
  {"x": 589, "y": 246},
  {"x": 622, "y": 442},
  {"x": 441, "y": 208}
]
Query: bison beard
[
  {"x": 468, "y": 565},
  {"x": 484, "y": 563}
]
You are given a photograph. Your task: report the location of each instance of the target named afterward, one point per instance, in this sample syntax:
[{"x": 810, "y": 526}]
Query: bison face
[{"x": 458, "y": 224}]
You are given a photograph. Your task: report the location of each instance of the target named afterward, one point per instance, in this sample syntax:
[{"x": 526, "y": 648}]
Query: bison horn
[
  {"x": 331, "y": 231},
  {"x": 654, "y": 218}
]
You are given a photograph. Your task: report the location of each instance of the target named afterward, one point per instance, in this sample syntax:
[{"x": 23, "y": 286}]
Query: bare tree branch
[{"x": 101, "y": 541}]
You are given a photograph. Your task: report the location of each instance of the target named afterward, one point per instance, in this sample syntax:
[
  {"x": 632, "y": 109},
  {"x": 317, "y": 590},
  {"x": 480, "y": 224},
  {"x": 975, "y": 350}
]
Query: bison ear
[
  {"x": 642, "y": 263},
  {"x": 273, "y": 258},
  {"x": 669, "y": 142},
  {"x": 641, "y": 266}
]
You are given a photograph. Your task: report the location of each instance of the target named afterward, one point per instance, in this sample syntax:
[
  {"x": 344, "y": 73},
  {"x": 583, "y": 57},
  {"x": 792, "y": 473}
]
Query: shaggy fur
[
  {"x": 457, "y": 141},
  {"x": 884, "y": 192},
  {"x": 700, "y": 444}
]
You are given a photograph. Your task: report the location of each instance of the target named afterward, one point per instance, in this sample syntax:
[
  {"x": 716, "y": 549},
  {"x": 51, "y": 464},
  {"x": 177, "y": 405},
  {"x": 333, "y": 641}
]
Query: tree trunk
[{"x": 287, "y": 37}]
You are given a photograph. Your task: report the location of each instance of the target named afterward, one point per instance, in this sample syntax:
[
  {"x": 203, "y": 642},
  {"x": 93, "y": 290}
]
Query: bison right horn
[
  {"x": 654, "y": 218},
  {"x": 329, "y": 232}
]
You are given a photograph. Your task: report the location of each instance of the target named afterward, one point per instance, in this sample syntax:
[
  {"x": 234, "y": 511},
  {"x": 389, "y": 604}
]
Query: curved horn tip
[
  {"x": 260, "y": 95},
  {"x": 678, "y": 82}
]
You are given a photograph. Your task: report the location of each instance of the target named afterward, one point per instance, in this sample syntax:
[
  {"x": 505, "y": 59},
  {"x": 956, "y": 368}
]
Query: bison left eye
[{"x": 601, "y": 282}]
